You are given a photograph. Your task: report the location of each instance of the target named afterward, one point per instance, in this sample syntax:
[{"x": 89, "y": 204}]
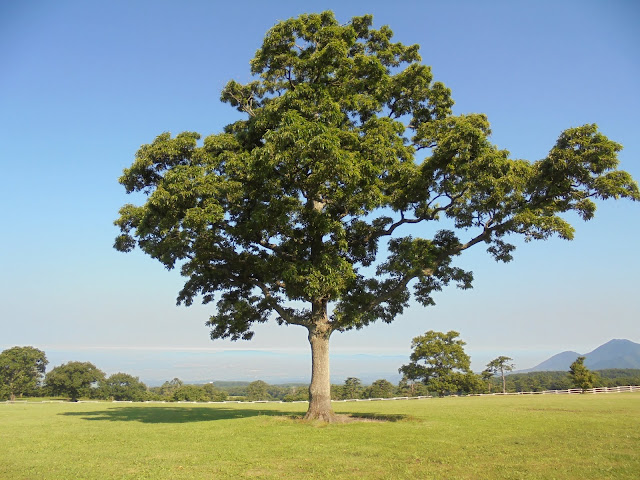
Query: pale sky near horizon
[{"x": 84, "y": 84}]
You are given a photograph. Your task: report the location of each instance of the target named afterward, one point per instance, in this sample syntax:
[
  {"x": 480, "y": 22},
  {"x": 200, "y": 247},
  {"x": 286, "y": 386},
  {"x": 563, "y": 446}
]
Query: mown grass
[{"x": 522, "y": 437}]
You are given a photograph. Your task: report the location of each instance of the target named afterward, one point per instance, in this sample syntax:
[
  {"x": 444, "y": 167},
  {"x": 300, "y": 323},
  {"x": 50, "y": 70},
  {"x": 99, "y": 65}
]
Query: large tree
[
  {"x": 302, "y": 210},
  {"x": 74, "y": 379},
  {"x": 21, "y": 370},
  {"x": 439, "y": 361}
]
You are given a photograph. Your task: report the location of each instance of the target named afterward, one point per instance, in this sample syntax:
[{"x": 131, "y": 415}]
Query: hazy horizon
[{"x": 156, "y": 365}]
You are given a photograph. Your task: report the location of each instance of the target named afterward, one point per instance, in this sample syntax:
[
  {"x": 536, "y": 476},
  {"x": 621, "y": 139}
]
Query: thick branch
[
  {"x": 486, "y": 233},
  {"x": 286, "y": 316}
]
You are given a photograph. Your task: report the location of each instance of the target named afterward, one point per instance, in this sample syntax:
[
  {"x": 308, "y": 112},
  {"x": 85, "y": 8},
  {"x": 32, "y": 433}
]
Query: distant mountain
[
  {"x": 560, "y": 361},
  {"x": 613, "y": 354}
]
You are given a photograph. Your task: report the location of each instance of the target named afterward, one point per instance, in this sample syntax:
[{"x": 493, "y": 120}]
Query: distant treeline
[
  {"x": 539, "y": 381},
  {"x": 22, "y": 374},
  {"x": 175, "y": 390}
]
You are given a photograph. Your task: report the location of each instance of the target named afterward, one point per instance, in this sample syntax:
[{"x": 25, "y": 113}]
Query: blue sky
[{"x": 84, "y": 84}]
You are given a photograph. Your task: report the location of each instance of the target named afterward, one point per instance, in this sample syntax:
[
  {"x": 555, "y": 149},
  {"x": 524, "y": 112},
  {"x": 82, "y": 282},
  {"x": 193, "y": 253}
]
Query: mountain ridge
[{"x": 616, "y": 353}]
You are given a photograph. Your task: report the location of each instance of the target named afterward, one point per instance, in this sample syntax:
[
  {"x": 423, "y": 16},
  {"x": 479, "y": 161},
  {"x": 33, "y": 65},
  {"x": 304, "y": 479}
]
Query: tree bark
[{"x": 320, "y": 388}]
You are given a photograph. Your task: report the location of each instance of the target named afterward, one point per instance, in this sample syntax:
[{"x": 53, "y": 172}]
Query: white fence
[
  {"x": 627, "y": 388},
  {"x": 571, "y": 391}
]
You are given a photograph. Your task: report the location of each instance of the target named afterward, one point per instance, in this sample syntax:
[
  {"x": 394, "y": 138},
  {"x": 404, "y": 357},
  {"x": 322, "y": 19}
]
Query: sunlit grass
[{"x": 561, "y": 437}]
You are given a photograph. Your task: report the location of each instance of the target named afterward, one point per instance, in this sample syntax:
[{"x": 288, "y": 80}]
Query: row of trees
[
  {"x": 438, "y": 366},
  {"x": 439, "y": 362},
  {"x": 22, "y": 374},
  {"x": 539, "y": 381}
]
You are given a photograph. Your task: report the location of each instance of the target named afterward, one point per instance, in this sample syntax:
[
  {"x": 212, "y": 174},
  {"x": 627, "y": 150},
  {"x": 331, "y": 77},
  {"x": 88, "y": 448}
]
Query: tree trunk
[
  {"x": 320, "y": 388},
  {"x": 504, "y": 383}
]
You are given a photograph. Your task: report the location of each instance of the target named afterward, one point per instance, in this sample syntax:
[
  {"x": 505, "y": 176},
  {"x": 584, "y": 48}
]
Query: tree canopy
[
  {"x": 380, "y": 389},
  {"x": 581, "y": 376},
  {"x": 74, "y": 379},
  {"x": 302, "y": 209},
  {"x": 438, "y": 360},
  {"x": 122, "y": 386},
  {"x": 21, "y": 370},
  {"x": 258, "y": 390}
]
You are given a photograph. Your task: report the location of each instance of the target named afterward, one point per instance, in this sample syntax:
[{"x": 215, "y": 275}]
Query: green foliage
[
  {"x": 352, "y": 388},
  {"x": 581, "y": 376},
  {"x": 408, "y": 388},
  {"x": 122, "y": 386},
  {"x": 345, "y": 141},
  {"x": 539, "y": 381},
  {"x": 337, "y": 392},
  {"x": 536, "y": 382},
  {"x": 214, "y": 394},
  {"x": 176, "y": 391},
  {"x": 296, "y": 394},
  {"x": 614, "y": 377},
  {"x": 258, "y": 390},
  {"x": 439, "y": 361},
  {"x": 502, "y": 365},
  {"x": 190, "y": 393},
  {"x": 21, "y": 370},
  {"x": 291, "y": 201},
  {"x": 169, "y": 387},
  {"x": 74, "y": 379},
  {"x": 380, "y": 389}
]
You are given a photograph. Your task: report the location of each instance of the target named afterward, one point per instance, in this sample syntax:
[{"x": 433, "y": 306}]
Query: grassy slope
[{"x": 582, "y": 436}]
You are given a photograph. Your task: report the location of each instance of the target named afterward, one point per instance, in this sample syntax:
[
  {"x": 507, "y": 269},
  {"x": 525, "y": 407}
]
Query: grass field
[{"x": 515, "y": 437}]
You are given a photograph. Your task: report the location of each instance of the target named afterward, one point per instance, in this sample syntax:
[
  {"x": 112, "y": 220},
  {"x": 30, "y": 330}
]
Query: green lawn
[{"x": 515, "y": 437}]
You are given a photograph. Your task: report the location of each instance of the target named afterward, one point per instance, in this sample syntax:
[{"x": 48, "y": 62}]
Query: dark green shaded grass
[{"x": 546, "y": 437}]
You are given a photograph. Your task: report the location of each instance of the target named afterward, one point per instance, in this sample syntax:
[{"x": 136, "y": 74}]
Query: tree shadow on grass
[
  {"x": 147, "y": 414},
  {"x": 376, "y": 417}
]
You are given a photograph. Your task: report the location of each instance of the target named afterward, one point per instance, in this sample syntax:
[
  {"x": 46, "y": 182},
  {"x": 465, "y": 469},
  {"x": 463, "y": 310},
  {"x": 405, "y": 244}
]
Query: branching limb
[{"x": 286, "y": 315}]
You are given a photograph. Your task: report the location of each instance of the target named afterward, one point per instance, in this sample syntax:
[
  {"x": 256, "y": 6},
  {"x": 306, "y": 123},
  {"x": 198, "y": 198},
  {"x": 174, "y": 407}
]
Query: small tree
[
  {"x": 122, "y": 386},
  {"x": 337, "y": 392},
  {"x": 380, "y": 389},
  {"x": 352, "y": 388},
  {"x": 502, "y": 365},
  {"x": 190, "y": 393},
  {"x": 214, "y": 393},
  {"x": 74, "y": 379},
  {"x": 581, "y": 376},
  {"x": 258, "y": 390},
  {"x": 21, "y": 370},
  {"x": 409, "y": 388},
  {"x": 346, "y": 143},
  {"x": 296, "y": 394},
  {"x": 487, "y": 375},
  {"x": 168, "y": 388},
  {"x": 439, "y": 361}
]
